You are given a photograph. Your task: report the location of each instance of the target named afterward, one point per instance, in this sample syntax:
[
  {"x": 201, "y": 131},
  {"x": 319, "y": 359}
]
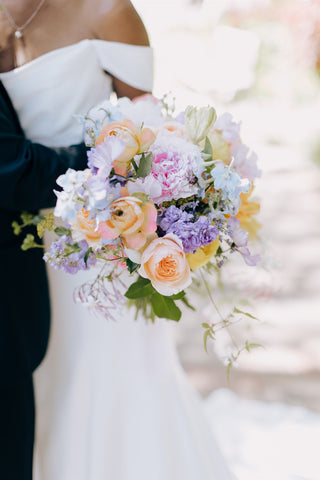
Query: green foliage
[
  {"x": 178, "y": 296},
  {"x": 250, "y": 346},
  {"x": 135, "y": 166},
  {"x": 47, "y": 223},
  {"x": 27, "y": 218},
  {"x": 141, "y": 288},
  {"x": 29, "y": 242},
  {"x": 208, "y": 333},
  {"x": 164, "y": 307},
  {"x": 145, "y": 165},
  {"x": 187, "y": 304},
  {"x": 207, "y": 151},
  {"x": 87, "y": 254},
  {"x": 60, "y": 231},
  {"x": 152, "y": 303},
  {"x": 16, "y": 228},
  {"x": 241, "y": 312},
  {"x": 132, "y": 266}
]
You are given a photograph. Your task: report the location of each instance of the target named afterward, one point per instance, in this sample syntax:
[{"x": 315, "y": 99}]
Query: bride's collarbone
[{"x": 7, "y": 59}]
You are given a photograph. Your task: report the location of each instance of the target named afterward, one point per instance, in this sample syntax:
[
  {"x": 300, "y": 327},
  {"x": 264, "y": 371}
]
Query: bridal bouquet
[{"x": 163, "y": 196}]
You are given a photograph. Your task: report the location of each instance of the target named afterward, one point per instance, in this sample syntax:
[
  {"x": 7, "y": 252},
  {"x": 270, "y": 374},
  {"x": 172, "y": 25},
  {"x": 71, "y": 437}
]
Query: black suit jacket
[{"x": 28, "y": 173}]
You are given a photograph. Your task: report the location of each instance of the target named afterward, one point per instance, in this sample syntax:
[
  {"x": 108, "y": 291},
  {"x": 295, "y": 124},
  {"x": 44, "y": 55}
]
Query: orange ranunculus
[
  {"x": 85, "y": 229},
  {"x": 164, "y": 263},
  {"x": 246, "y": 213},
  {"x": 132, "y": 219},
  {"x": 137, "y": 140}
]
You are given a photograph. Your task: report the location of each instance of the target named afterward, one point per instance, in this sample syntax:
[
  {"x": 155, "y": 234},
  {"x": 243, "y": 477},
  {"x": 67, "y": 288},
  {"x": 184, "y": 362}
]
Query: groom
[{"x": 27, "y": 177}]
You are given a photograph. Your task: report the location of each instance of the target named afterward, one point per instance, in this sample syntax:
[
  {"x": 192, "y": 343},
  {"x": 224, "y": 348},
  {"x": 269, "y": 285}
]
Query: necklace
[{"x": 19, "y": 28}]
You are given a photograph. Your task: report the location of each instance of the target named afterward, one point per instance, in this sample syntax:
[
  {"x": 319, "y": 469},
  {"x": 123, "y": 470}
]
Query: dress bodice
[{"x": 48, "y": 91}]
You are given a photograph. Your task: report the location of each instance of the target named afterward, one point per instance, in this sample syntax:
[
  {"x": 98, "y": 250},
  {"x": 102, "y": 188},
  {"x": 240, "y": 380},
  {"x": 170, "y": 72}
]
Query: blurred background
[{"x": 260, "y": 61}]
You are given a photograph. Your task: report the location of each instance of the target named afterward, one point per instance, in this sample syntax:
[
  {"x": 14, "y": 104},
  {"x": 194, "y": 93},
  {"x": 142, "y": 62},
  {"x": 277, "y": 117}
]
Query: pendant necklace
[{"x": 18, "y": 29}]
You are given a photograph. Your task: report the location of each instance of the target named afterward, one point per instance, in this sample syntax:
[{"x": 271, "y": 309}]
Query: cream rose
[{"x": 164, "y": 263}]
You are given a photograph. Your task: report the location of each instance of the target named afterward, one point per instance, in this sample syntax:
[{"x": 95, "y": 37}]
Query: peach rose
[
  {"x": 164, "y": 263},
  {"x": 132, "y": 219},
  {"x": 137, "y": 140},
  {"x": 85, "y": 229}
]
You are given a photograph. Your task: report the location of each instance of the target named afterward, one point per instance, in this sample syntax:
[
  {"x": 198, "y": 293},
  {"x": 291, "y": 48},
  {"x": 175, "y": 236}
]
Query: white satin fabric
[{"x": 112, "y": 400}]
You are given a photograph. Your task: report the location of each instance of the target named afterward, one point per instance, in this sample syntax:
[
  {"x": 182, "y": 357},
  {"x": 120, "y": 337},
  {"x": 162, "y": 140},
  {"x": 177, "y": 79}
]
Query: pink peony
[{"x": 176, "y": 166}]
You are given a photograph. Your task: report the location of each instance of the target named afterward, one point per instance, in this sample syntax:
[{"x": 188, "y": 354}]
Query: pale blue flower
[
  {"x": 229, "y": 182},
  {"x": 72, "y": 180}
]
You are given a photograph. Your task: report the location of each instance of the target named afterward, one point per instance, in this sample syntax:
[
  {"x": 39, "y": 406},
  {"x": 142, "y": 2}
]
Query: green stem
[{"x": 210, "y": 296}]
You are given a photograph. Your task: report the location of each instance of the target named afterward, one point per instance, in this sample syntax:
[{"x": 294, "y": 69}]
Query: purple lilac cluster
[
  {"x": 193, "y": 233},
  {"x": 65, "y": 254}
]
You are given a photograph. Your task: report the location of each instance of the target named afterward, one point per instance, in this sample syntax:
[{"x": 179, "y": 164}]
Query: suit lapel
[{"x": 6, "y": 103}]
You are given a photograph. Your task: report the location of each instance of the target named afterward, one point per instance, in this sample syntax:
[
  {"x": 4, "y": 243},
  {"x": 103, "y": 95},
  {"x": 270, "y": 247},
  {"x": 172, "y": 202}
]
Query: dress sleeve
[{"x": 131, "y": 64}]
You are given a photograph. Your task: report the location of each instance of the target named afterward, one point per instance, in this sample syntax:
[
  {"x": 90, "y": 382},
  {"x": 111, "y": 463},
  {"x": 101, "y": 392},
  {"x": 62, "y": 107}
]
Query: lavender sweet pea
[
  {"x": 65, "y": 254},
  {"x": 193, "y": 234}
]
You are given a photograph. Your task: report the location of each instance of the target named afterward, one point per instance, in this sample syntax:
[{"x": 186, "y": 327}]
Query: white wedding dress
[{"x": 112, "y": 400}]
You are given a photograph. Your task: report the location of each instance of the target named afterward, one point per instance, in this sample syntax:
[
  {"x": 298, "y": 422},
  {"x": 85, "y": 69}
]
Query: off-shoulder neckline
[{"x": 57, "y": 51}]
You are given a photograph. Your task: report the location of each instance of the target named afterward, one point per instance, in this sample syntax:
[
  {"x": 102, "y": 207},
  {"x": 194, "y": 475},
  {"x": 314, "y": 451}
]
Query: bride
[{"x": 112, "y": 400}]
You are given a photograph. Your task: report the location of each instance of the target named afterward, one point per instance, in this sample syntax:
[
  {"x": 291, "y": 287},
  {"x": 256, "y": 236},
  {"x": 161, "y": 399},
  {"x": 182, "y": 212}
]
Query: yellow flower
[
  {"x": 202, "y": 255},
  {"x": 220, "y": 147},
  {"x": 246, "y": 213}
]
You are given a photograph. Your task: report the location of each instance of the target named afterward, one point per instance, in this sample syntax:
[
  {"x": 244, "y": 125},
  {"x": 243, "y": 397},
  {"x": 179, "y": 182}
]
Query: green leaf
[
  {"x": 207, "y": 150},
  {"x": 135, "y": 166},
  {"x": 187, "y": 304},
  {"x": 237, "y": 310},
  {"x": 60, "y": 231},
  {"x": 206, "y": 325},
  {"x": 250, "y": 346},
  {"x": 141, "y": 288},
  {"x": 86, "y": 256},
  {"x": 145, "y": 165},
  {"x": 164, "y": 307},
  {"x": 178, "y": 296},
  {"x": 207, "y": 334},
  {"x": 132, "y": 266}
]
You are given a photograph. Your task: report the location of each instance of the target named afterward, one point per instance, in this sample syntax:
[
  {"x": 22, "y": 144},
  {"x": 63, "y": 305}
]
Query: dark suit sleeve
[{"x": 28, "y": 171}]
